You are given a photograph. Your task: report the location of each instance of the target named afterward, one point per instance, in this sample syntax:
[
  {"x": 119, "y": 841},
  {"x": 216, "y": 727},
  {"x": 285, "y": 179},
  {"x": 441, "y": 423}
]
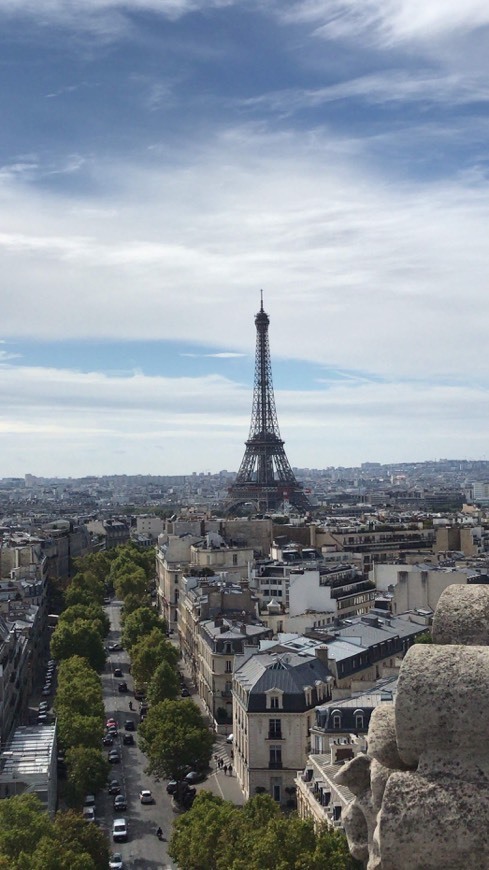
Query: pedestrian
[
  {"x": 225, "y": 768},
  {"x": 215, "y": 758},
  {"x": 230, "y": 768},
  {"x": 220, "y": 763}
]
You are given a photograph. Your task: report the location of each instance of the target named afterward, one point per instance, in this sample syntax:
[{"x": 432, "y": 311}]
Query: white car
[
  {"x": 89, "y": 814},
  {"x": 119, "y": 831},
  {"x": 115, "y": 861},
  {"x": 146, "y": 797},
  {"x": 89, "y": 800}
]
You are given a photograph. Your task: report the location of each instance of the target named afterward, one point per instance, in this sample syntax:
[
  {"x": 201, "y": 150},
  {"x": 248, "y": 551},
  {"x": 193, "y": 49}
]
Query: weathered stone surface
[
  {"x": 442, "y": 700},
  {"x": 462, "y": 616},
  {"x": 423, "y": 790}
]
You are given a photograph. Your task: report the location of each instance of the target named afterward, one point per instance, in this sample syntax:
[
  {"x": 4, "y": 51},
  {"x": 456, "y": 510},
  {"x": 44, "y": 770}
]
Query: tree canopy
[
  {"x": 175, "y": 737},
  {"x": 165, "y": 683},
  {"x": 216, "y": 835},
  {"x": 139, "y": 623},
  {"x": 88, "y": 770},
  {"x": 149, "y": 652},
  {"x": 29, "y": 840},
  {"x": 91, "y": 612},
  {"x": 81, "y": 638}
]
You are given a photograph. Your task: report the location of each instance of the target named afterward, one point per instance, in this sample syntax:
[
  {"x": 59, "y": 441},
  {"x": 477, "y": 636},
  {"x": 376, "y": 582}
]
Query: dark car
[
  {"x": 120, "y": 802},
  {"x": 114, "y": 647},
  {"x": 122, "y": 687},
  {"x": 139, "y": 694},
  {"x": 108, "y": 740},
  {"x": 114, "y": 757},
  {"x": 128, "y": 740},
  {"x": 185, "y": 692},
  {"x": 171, "y": 787},
  {"x": 114, "y": 786},
  {"x": 118, "y": 672},
  {"x": 130, "y": 725}
]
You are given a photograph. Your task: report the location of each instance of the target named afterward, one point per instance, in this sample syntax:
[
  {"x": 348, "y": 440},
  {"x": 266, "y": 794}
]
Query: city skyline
[{"x": 162, "y": 160}]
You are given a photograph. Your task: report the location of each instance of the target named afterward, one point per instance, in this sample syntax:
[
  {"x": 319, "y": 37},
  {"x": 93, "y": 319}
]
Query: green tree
[
  {"x": 52, "y": 855},
  {"x": 197, "y": 836},
  {"x": 139, "y": 623},
  {"x": 72, "y": 830},
  {"x": 79, "y": 638},
  {"x": 216, "y": 835},
  {"x": 88, "y": 770},
  {"x": 165, "y": 683},
  {"x": 75, "y": 729},
  {"x": 175, "y": 737},
  {"x": 97, "y": 564},
  {"x": 149, "y": 652},
  {"x": 22, "y": 824},
  {"x": 424, "y": 638},
  {"x": 88, "y": 585},
  {"x": 92, "y": 613},
  {"x": 133, "y": 602},
  {"x": 131, "y": 581}
]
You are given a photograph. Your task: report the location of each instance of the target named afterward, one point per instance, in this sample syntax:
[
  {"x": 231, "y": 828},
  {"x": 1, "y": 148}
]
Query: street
[{"x": 143, "y": 851}]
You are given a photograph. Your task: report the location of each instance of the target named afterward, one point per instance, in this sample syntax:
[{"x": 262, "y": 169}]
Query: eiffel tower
[{"x": 265, "y": 477}]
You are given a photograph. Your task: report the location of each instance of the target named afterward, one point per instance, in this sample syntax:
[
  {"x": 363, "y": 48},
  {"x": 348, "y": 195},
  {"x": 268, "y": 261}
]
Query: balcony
[
  {"x": 275, "y": 765},
  {"x": 275, "y": 735}
]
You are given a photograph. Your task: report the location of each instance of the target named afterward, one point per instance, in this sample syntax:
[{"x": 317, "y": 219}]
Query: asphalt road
[{"x": 143, "y": 850}]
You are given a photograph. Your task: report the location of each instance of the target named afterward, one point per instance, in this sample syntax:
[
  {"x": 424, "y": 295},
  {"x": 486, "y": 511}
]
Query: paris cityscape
[{"x": 244, "y": 475}]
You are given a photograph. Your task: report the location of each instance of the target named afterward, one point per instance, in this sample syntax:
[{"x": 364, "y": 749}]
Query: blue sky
[{"x": 160, "y": 162}]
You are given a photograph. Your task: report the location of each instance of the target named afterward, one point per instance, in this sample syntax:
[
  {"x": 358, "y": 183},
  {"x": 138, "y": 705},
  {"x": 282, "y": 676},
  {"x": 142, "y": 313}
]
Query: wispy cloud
[
  {"x": 390, "y": 21},
  {"x": 223, "y": 355}
]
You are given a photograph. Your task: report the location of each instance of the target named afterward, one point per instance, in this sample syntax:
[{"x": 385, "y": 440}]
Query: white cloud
[
  {"x": 391, "y": 20},
  {"x": 358, "y": 272},
  {"x": 62, "y": 422}
]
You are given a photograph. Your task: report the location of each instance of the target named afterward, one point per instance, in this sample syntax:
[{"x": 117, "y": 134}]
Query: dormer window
[
  {"x": 274, "y": 700},
  {"x": 336, "y": 719}
]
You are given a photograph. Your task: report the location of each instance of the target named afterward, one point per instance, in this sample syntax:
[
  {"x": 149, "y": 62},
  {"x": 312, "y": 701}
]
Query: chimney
[{"x": 322, "y": 653}]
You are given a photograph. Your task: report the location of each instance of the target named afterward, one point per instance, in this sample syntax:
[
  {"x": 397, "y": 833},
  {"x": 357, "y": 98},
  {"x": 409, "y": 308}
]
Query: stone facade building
[{"x": 274, "y": 696}]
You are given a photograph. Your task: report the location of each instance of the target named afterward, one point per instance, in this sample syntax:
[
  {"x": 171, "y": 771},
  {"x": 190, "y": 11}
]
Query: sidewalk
[{"x": 219, "y": 783}]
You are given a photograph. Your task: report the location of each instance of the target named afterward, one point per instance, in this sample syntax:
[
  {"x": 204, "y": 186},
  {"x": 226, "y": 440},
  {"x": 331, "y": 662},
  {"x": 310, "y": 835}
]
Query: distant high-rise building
[{"x": 265, "y": 477}]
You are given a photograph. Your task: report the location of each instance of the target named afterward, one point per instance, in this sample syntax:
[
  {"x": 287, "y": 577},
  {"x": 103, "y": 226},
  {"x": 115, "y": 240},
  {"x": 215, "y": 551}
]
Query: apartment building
[{"x": 274, "y": 698}]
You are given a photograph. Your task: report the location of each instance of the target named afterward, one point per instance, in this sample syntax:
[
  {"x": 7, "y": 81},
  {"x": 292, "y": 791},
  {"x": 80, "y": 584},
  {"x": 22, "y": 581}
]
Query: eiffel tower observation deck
[{"x": 265, "y": 478}]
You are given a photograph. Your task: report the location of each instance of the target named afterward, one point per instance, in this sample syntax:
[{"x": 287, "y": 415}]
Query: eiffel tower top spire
[{"x": 265, "y": 477}]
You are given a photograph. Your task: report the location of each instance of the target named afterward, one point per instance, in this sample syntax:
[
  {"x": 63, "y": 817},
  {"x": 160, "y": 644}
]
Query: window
[
  {"x": 274, "y": 705},
  {"x": 274, "y": 729},
  {"x": 235, "y": 558},
  {"x": 276, "y": 793},
  {"x": 336, "y": 720},
  {"x": 229, "y": 666},
  {"x": 275, "y": 759},
  {"x": 359, "y": 721}
]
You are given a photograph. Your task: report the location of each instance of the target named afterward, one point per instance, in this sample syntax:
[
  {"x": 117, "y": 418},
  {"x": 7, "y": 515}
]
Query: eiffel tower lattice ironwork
[{"x": 265, "y": 477}]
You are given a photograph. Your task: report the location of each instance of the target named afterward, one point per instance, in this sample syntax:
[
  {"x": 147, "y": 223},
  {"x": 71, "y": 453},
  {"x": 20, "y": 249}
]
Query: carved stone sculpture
[{"x": 422, "y": 792}]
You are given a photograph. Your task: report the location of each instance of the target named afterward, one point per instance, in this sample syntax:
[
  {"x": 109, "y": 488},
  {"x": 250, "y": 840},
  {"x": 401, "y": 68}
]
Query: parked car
[
  {"x": 122, "y": 687},
  {"x": 114, "y": 786},
  {"x": 130, "y": 725},
  {"x": 112, "y": 730},
  {"x": 139, "y": 694},
  {"x": 194, "y": 776},
  {"x": 171, "y": 786},
  {"x": 128, "y": 740},
  {"x": 110, "y": 722},
  {"x": 89, "y": 800},
  {"x": 119, "y": 831},
  {"x": 185, "y": 693},
  {"x": 120, "y": 802},
  {"x": 89, "y": 814},
  {"x": 146, "y": 797},
  {"x": 114, "y": 647},
  {"x": 114, "y": 757},
  {"x": 118, "y": 672},
  {"x": 115, "y": 861},
  {"x": 108, "y": 740}
]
